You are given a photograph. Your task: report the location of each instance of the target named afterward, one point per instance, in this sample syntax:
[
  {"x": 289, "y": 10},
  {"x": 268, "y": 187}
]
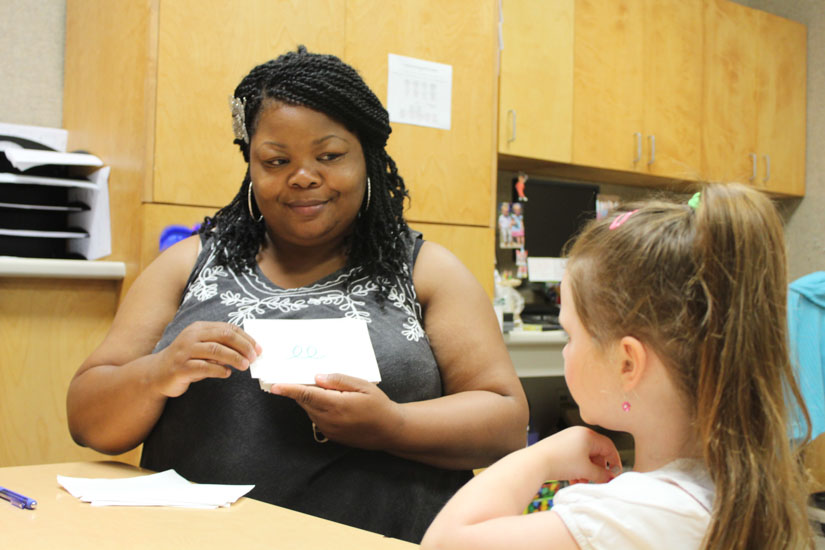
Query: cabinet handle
[
  {"x": 638, "y": 157},
  {"x": 512, "y": 137},
  {"x": 767, "y": 168},
  {"x": 652, "y": 149},
  {"x": 753, "y": 167}
]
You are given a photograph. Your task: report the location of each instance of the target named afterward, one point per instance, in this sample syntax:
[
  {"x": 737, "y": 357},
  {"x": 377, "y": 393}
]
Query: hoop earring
[
  {"x": 249, "y": 204},
  {"x": 369, "y": 193}
]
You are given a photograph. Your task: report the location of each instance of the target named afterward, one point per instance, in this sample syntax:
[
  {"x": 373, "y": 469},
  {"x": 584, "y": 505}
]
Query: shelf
[
  {"x": 11, "y": 266},
  {"x": 536, "y": 354}
]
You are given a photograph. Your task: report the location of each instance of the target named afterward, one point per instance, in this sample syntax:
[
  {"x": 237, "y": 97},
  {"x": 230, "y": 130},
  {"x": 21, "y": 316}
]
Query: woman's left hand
[{"x": 346, "y": 409}]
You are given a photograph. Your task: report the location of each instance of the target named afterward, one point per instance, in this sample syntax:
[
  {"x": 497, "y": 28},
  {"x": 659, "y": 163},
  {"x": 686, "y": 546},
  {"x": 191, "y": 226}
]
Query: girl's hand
[
  {"x": 346, "y": 409},
  {"x": 579, "y": 454},
  {"x": 203, "y": 350}
]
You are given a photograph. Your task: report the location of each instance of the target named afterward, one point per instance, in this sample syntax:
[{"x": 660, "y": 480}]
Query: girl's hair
[
  {"x": 325, "y": 84},
  {"x": 706, "y": 288}
]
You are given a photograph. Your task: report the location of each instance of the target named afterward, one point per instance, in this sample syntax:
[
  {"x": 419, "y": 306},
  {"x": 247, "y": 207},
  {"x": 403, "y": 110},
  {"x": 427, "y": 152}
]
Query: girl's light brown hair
[{"x": 706, "y": 288}]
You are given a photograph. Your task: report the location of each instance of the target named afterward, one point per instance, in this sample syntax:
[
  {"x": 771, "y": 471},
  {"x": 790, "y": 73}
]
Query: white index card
[
  {"x": 295, "y": 350},
  {"x": 419, "y": 92},
  {"x": 546, "y": 269}
]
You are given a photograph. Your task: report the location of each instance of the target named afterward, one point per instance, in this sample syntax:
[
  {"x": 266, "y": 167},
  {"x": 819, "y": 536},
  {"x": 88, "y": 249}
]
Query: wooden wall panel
[
  {"x": 47, "y": 328},
  {"x": 474, "y": 246},
  {"x": 155, "y": 217},
  {"x": 108, "y": 104}
]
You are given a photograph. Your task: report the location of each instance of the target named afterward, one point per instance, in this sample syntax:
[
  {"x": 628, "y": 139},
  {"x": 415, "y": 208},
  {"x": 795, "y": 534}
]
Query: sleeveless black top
[{"x": 230, "y": 431}]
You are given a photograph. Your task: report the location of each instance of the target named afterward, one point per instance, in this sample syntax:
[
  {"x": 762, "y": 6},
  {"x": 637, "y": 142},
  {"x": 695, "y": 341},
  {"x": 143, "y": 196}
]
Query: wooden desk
[{"x": 63, "y": 522}]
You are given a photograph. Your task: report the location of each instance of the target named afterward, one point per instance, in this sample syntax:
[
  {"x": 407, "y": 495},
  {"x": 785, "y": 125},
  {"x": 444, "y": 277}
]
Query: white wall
[{"x": 32, "y": 41}]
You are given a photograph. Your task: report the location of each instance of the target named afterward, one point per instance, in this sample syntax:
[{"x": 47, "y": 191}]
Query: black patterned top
[{"x": 230, "y": 431}]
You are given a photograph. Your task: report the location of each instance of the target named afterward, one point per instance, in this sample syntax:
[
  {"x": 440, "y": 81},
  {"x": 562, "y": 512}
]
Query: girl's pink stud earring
[{"x": 626, "y": 406}]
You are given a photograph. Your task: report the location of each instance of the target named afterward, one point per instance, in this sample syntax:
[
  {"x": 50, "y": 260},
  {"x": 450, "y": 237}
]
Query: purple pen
[{"x": 16, "y": 499}]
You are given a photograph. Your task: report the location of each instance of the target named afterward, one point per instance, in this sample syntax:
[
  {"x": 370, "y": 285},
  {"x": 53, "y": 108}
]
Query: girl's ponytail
[{"x": 744, "y": 373}]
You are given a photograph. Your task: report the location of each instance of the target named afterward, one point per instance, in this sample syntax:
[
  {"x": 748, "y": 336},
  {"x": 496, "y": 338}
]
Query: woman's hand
[
  {"x": 203, "y": 350},
  {"x": 346, "y": 409}
]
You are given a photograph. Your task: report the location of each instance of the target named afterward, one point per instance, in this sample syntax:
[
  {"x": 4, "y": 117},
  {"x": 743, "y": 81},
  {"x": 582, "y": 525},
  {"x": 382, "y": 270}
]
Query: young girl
[{"x": 676, "y": 320}]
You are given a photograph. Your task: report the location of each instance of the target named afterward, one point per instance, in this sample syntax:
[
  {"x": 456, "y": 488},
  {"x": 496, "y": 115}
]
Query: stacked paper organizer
[{"x": 53, "y": 204}]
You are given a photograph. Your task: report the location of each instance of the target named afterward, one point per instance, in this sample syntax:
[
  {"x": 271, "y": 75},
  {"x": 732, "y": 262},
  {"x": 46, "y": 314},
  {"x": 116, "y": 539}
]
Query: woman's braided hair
[{"x": 326, "y": 84}]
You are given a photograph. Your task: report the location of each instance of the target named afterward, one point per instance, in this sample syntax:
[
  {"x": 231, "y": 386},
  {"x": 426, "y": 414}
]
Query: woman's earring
[
  {"x": 369, "y": 193},
  {"x": 626, "y": 406},
  {"x": 249, "y": 204}
]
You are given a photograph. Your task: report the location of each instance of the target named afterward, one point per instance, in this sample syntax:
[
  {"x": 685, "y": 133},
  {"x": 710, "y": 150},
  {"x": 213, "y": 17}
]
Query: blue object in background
[
  {"x": 806, "y": 324},
  {"x": 174, "y": 233}
]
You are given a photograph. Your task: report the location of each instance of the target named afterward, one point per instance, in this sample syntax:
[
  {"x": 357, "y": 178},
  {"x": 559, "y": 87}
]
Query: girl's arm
[{"x": 487, "y": 513}]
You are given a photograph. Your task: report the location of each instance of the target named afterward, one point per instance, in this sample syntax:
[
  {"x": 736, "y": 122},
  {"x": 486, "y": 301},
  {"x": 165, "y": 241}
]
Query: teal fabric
[{"x": 806, "y": 327}]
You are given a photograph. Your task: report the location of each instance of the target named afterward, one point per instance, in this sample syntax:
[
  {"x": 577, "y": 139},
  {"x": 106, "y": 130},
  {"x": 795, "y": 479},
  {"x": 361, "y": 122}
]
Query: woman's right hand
[{"x": 203, "y": 350}]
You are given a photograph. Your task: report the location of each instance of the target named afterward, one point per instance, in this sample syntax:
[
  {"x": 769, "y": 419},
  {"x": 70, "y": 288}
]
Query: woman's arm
[
  {"x": 119, "y": 392},
  {"x": 487, "y": 513},
  {"x": 482, "y": 416}
]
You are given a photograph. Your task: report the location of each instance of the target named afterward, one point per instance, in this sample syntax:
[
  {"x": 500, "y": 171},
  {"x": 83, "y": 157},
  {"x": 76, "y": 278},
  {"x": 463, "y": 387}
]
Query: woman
[{"x": 315, "y": 231}]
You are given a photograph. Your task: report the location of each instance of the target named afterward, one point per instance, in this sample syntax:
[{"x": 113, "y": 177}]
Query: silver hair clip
[{"x": 239, "y": 118}]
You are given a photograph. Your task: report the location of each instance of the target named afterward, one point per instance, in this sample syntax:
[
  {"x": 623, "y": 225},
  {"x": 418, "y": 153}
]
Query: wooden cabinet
[
  {"x": 163, "y": 71},
  {"x": 450, "y": 173},
  {"x": 204, "y": 49},
  {"x": 637, "y": 93},
  {"x": 662, "y": 91},
  {"x": 755, "y": 93},
  {"x": 535, "y": 116}
]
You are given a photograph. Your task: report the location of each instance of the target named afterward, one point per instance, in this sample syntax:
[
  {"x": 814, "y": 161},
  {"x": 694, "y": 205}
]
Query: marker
[{"x": 16, "y": 499}]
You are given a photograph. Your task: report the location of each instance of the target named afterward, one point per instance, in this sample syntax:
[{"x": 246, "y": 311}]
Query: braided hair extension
[{"x": 326, "y": 84}]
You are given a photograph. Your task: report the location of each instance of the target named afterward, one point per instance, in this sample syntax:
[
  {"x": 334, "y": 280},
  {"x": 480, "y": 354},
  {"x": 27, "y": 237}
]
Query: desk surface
[{"x": 61, "y": 521}]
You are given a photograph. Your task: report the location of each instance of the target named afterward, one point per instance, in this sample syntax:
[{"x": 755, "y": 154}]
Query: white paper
[
  {"x": 40, "y": 207},
  {"x": 6, "y": 177},
  {"x": 162, "y": 489},
  {"x": 42, "y": 234},
  {"x": 23, "y": 159},
  {"x": 96, "y": 220},
  {"x": 419, "y": 92},
  {"x": 295, "y": 350},
  {"x": 54, "y": 138},
  {"x": 545, "y": 269}
]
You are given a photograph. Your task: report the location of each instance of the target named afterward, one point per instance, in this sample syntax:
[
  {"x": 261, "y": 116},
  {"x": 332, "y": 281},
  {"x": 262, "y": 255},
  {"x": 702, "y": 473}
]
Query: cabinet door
[
  {"x": 781, "y": 97},
  {"x": 608, "y": 92},
  {"x": 672, "y": 92},
  {"x": 205, "y": 47},
  {"x": 730, "y": 114},
  {"x": 450, "y": 173},
  {"x": 535, "y": 118}
]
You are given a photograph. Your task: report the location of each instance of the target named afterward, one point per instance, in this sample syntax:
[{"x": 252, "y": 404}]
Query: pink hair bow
[{"x": 621, "y": 218}]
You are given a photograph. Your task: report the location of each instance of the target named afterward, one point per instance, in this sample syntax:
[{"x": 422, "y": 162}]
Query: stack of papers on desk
[{"x": 162, "y": 489}]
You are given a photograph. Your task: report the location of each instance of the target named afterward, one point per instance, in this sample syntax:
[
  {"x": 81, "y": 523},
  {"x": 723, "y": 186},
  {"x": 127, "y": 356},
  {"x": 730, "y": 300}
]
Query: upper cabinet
[
  {"x": 676, "y": 89},
  {"x": 638, "y": 86},
  {"x": 535, "y": 117},
  {"x": 148, "y": 83},
  {"x": 450, "y": 173},
  {"x": 755, "y": 93},
  {"x": 204, "y": 49}
]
